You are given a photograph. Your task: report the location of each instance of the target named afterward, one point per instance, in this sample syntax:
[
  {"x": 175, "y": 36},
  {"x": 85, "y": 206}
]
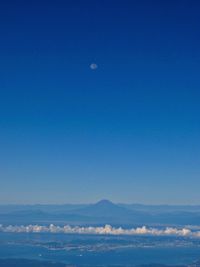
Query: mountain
[
  {"x": 102, "y": 212},
  {"x": 161, "y": 208},
  {"x": 48, "y": 208},
  {"x": 29, "y": 263},
  {"x": 35, "y": 263},
  {"x": 104, "y": 208}
]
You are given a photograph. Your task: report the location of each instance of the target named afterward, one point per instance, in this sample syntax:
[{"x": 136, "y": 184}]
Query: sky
[{"x": 100, "y": 99}]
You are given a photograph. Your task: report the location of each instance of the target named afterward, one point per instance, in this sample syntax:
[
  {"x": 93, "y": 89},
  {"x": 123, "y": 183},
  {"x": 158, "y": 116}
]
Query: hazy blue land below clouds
[
  {"x": 94, "y": 250},
  {"x": 103, "y": 234}
]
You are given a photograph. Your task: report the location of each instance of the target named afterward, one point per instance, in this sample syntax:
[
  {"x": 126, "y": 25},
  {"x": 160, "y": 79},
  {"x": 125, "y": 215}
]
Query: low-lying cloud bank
[{"x": 104, "y": 230}]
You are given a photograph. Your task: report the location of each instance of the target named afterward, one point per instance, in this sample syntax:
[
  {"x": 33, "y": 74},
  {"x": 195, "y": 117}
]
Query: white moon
[{"x": 93, "y": 66}]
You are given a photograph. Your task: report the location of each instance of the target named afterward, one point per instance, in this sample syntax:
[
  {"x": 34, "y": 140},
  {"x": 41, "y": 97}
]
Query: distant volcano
[{"x": 106, "y": 209}]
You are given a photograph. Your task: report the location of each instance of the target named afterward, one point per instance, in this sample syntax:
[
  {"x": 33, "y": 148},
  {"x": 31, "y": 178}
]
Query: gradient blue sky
[{"x": 128, "y": 131}]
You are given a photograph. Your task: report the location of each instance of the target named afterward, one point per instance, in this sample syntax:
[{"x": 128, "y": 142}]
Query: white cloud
[{"x": 101, "y": 230}]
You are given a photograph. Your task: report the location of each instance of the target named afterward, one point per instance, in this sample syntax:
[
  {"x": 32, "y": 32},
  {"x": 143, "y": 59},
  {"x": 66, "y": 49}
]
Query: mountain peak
[
  {"x": 105, "y": 209},
  {"x": 104, "y": 202}
]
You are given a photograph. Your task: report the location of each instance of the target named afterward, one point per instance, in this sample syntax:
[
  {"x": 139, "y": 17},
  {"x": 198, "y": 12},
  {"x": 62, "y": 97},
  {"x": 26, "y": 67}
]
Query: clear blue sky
[{"x": 129, "y": 130}]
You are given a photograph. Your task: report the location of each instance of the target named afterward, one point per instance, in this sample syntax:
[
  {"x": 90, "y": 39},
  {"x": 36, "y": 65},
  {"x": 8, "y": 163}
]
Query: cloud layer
[{"x": 104, "y": 230}]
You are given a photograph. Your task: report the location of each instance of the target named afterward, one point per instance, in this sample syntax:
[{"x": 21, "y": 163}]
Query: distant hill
[
  {"x": 35, "y": 263},
  {"x": 51, "y": 208},
  {"x": 101, "y": 212},
  {"x": 68, "y": 208},
  {"x": 161, "y": 208},
  {"x": 28, "y": 263},
  {"x": 104, "y": 208}
]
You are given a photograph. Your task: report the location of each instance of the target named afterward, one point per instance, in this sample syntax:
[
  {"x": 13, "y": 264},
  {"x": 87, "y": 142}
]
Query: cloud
[{"x": 101, "y": 230}]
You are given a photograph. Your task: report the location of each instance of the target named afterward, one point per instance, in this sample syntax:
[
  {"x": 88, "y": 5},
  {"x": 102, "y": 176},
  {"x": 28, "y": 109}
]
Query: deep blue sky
[{"x": 129, "y": 130}]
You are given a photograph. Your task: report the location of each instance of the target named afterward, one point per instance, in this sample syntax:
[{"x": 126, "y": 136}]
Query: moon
[{"x": 93, "y": 66}]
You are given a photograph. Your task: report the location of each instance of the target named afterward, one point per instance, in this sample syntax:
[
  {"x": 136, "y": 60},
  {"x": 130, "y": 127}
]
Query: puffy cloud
[{"x": 101, "y": 230}]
